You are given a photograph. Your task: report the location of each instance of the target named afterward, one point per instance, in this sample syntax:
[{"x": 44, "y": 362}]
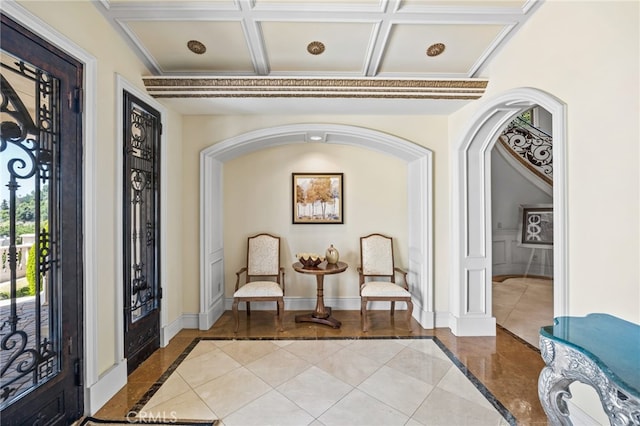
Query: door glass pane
[
  {"x": 29, "y": 310},
  {"x": 140, "y": 162}
]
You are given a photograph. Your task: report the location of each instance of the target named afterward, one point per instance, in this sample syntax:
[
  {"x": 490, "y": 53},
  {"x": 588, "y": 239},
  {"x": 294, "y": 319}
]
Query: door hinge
[
  {"x": 75, "y": 100},
  {"x": 159, "y": 292},
  {"x": 77, "y": 372}
]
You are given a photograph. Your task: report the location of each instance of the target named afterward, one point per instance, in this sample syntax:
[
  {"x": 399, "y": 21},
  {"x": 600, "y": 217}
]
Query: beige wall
[
  {"x": 172, "y": 218},
  {"x": 357, "y": 164}
]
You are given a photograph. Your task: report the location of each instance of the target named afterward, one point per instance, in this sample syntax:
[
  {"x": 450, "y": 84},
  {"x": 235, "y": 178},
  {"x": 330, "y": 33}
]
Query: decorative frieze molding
[{"x": 251, "y": 87}]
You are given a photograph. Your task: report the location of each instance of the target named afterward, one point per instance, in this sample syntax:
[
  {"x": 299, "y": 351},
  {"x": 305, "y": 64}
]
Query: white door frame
[
  {"x": 420, "y": 209},
  {"x": 470, "y": 290}
]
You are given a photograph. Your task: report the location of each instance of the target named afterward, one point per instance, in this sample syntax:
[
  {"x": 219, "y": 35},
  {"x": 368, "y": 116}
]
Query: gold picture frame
[{"x": 317, "y": 198}]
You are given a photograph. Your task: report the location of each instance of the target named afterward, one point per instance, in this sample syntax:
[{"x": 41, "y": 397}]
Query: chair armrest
[
  {"x": 238, "y": 277},
  {"x": 360, "y": 278},
  {"x": 404, "y": 276}
]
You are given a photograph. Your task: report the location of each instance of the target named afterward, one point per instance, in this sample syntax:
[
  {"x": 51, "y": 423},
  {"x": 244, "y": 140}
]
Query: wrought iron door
[
  {"x": 41, "y": 231},
  {"x": 142, "y": 291}
]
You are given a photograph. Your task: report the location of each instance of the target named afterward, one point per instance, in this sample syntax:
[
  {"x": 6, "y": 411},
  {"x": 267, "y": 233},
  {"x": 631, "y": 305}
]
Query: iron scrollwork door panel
[
  {"x": 40, "y": 239},
  {"x": 141, "y": 242}
]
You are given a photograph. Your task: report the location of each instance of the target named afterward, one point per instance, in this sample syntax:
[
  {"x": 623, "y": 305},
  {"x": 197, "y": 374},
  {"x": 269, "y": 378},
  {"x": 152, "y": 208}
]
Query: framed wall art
[
  {"x": 317, "y": 198},
  {"x": 536, "y": 226}
]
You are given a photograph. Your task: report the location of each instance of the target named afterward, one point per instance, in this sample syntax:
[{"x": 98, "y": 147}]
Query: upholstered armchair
[
  {"x": 377, "y": 273},
  {"x": 264, "y": 277}
]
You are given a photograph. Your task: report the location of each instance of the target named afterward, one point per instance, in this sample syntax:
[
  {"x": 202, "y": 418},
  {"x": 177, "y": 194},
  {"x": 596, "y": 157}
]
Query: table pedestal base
[{"x": 325, "y": 319}]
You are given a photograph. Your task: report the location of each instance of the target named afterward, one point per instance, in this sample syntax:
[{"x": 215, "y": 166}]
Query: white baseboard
[
  {"x": 426, "y": 319},
  {"x": 476, "y": 326},
  {"x": 168, "y": 332},
  {"x": 208, "y": 318},
  {"x": 190, "y": 321},
  {"x": 442, "y": 319},
  {"x": 108, "y": 384}
]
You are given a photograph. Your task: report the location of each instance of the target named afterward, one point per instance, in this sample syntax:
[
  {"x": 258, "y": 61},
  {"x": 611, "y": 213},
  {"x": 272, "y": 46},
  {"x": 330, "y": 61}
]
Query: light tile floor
[
  {"x": 523, "y": 305},
  {"x": 507, "y": 366},
  {"x": 323, "y": 382}
]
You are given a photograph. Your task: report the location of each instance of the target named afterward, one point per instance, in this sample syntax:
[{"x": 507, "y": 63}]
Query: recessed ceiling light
[
  {"x": 196, "y": 47},
  {"x": 315, "y": 48},
  {"x": 435, "y": 49},
  {"x": 315, "y": 138}
]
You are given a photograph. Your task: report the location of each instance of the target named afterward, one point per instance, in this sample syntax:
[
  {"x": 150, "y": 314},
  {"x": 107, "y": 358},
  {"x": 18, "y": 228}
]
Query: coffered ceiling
[{"x": 249, "y": 53}]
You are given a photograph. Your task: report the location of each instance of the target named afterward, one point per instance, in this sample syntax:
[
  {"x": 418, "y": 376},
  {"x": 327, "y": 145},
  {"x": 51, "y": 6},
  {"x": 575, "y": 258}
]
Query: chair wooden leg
[
  {"x": 248, "y": 308},
  {"x": 363, "y": 312},
  {"x": 409, "y": 313},
  {"x": 234, "y": 308},
  {"x": 280, "y": 303},
  {"x": 393, "y": 307}
]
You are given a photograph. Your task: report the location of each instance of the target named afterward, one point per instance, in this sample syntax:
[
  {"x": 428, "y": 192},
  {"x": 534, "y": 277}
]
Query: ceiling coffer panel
[
  {"x": 166, "y": 41},
  {"x": 519, "y": 4},
  {"x": 464, "y": 47},
  {"x": 346, "y": 45}
]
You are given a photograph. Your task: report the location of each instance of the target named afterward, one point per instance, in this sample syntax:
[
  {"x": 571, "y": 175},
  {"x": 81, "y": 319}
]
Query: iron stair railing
[{"x": 532, "y": 147}]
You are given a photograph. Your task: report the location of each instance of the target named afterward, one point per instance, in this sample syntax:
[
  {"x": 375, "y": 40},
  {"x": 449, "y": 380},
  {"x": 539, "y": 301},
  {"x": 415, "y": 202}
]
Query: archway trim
[
  {"x": 420, "y": 213},
  {"x": 470, "y": 289}
]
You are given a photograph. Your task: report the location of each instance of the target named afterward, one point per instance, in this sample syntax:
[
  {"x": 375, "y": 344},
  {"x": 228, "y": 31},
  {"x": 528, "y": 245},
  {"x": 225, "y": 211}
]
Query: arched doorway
[
  {"x": 419, "y": 177},
  {"x": 470, "y": 292}
]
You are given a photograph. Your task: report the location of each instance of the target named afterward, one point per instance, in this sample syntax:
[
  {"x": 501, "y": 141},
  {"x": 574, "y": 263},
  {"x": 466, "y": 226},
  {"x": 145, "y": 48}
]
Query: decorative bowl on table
[{"x": 309, "y": 260}]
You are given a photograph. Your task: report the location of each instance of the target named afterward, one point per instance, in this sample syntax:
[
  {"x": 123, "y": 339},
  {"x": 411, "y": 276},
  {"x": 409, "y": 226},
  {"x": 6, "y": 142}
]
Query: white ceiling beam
[{"x": 255, "y": 40}]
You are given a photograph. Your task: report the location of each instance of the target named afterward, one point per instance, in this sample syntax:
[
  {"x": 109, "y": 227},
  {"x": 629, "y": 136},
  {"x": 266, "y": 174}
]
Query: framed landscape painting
[{"x": 317, "y": 198}]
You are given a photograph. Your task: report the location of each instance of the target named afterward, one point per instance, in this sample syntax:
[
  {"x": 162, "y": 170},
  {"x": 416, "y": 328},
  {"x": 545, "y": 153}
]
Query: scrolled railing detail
[{"x": 531, "y": 146}]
